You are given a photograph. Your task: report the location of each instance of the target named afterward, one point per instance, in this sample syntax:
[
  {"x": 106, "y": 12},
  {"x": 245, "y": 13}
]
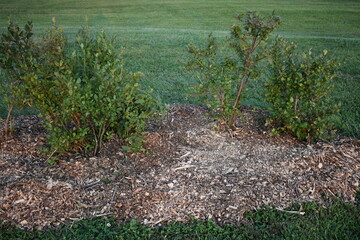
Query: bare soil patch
[{"x": 189, "y": 169}]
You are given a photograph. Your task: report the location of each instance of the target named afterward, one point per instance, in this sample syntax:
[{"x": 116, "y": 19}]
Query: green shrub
[
  {"x": 85, "y": 95},
  {"x": 223, "y": 77},
  {"x": 16, "y": 50},
  {"x": 298, "y": 90},
  {"x": 103, "y": 99}
]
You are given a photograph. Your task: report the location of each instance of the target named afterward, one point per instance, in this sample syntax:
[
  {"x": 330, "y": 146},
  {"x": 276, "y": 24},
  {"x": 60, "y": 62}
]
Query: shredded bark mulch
[{"x": 189, "y": 169}]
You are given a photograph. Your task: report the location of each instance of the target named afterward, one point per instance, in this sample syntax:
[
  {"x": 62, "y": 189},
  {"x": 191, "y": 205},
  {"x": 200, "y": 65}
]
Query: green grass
[
  {"x": 337, "y": 221},
  {"x": 156, "y": 32}
]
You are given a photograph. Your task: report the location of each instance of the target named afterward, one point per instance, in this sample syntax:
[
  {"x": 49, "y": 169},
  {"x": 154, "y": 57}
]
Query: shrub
[
  {"x": 103, "y": 99},
  {"x": 222, "y": 77},
  {"x": 298, "y": 90},
  {"x": 85, "y": 95},
  {"x": 16, "y": 50}
]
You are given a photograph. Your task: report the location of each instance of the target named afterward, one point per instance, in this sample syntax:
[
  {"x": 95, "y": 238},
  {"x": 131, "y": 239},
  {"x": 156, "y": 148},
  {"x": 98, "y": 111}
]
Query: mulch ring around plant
[{"x": 190, "y": 169}]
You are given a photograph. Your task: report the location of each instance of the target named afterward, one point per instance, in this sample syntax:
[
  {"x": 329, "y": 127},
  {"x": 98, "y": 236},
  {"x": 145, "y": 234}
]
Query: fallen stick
[
  {"x": 113, "y": 195},
  {"x": 295, "y": 212},
  {"x": 182, "y": 168},
  {"x": 185, "y": 155},
  {"x": 159, "y": 221},
  {"x": 91, "y": 184},
  {"x": 103, "y": 214}
]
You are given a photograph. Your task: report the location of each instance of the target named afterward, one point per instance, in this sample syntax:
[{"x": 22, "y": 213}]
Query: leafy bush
[
  {"x": 85, "y": 95},
  {"x": 16, "y": 49},
  {"x": 298, "y": 88},
  {"x": 102, "y": 99},
  {"x": 222, "y": 77}
]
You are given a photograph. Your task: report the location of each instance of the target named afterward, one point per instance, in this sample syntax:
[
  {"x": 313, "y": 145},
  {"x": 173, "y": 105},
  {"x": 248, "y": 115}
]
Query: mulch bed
[{"x": 190, "y": 169}]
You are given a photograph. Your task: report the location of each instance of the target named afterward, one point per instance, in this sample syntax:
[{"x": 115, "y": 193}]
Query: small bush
[
  {"x": 298, "y": 90},
  {"x": 223, "y": 77},
  {"x": 85, "y": 95},
  {"x": 16, "y": 50},
  {"x": 102, "y": 98}
]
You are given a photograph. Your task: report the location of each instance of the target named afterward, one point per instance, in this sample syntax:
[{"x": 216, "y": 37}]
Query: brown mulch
[{"x": 189, "y": 169}]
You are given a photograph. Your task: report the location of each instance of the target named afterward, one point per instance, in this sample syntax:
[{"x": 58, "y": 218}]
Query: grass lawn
[{"x": 156, "y": 33}]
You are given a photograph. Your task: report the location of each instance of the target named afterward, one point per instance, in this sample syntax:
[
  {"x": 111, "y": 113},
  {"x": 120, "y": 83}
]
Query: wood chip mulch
[{"x": 189, "y": 169}]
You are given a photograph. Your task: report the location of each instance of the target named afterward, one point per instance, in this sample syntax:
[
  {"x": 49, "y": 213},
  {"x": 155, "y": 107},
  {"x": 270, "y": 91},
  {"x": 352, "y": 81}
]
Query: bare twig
[
  {"x": 7, "y": 125},
  {"x": 52, "y": 154},
  {"x": 159, "y": 221},
  {"x": 295, "y": 212},
  {"x": 114, "y": 193},
  {"x": 182, "y": 168},
  {"x": 185, "y": 155},
  {"x": 92, "y": 184},
  {"x": 103, "y": 214}
]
